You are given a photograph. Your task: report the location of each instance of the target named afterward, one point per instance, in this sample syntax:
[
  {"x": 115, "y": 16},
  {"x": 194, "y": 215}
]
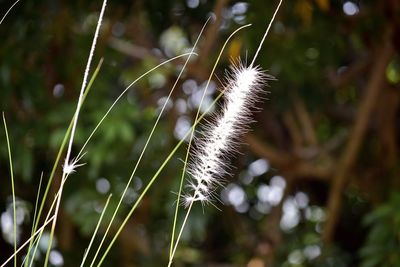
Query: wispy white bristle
[{"x": 209, "y": 162}]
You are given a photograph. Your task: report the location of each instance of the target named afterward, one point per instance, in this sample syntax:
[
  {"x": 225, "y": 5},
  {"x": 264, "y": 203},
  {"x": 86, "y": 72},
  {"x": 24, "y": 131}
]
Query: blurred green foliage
[
  {"x": 312, "y": 46},
  {"x": 383, "y": 241}
]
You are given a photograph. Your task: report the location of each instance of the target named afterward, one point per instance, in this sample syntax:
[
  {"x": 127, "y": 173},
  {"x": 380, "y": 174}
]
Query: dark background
[{"x": 316, "y": 182}]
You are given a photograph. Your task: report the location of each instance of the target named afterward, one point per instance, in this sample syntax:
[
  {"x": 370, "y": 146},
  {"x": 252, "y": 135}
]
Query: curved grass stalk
[
  {"x": 61, "y": 149},
  {"x": 125, "y": 90},
  {"x": 35, "y": 243},
  {"x": 188, "y": 133},
  {"x": 155, "y": 176},
  {"x": 266, "y": 33},
  {"x": 148, "y": 138},
  {"x": 74, "y": 124},
  {"x": 12, "y": 189},
  {"x": 208, "y": 163},
  {"x": 95, "y": 231},
  {"x": 39, "y": 234},
  {"x": 55, "y": 165},
  {"x": 190, "y": 142},
  {"x": 195, "y": 197},
  {"x": 51, "y": 177},
  {"x": 8, "y": 11},
  {"x": 147, "y": 141},
  {"x": 180, "y": 234},
  {"x": 28, "y": 241},
  {"x": 56, "y": 162},
  {"x": 36, "y": 204},
  {"x": 35, "y": 214}
]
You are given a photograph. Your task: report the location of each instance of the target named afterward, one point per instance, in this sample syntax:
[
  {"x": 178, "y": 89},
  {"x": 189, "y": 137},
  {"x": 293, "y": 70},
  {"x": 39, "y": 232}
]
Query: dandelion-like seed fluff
[{"x": 208, "y": 166}]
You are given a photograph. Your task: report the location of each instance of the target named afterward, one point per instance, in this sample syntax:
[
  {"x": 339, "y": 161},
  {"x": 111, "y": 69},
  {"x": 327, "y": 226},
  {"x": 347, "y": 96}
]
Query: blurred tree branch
[
  {"x": 288, "y": 163},
  {"x": 349, "y": 156}
]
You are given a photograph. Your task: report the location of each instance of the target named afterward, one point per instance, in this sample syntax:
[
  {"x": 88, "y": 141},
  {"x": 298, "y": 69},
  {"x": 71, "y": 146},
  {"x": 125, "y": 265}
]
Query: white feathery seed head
[
  {"x": 209, "y": 162},
  {"x": 70, "y": 167}
]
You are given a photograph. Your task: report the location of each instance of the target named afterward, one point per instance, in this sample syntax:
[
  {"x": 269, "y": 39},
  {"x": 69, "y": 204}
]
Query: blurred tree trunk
[{"x": 375, "y": 85}]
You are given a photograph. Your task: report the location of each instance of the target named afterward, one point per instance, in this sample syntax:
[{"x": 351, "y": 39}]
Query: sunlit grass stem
[
  {"x": 12, "y": 189},
  {"x": 190, "y": 141},
  {"x": 208, "y": 162},
  {"x": 70, "y": 165},
  {"x": 145, "y": 146},
  {"x": 153, "y": 179},
  {"x": 148, "y": 138},
  {"x": 8, "y": 11},
  {"x": 81, "y": 151},
  {"x": 40, "y": 229},
  {"x": 95, "y": 231},
  {"x": 47, "y": 220},
  {"x": 250, "y": 79},
  {"x": 26, "y": 259},
  {"x": 75, "y": 122},
  {"x": 57, "y": 161}
]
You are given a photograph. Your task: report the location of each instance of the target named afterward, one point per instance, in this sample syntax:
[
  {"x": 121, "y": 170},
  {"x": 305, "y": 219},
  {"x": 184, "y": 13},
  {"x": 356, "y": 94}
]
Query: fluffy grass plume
[{"x": 208, "y": 164}]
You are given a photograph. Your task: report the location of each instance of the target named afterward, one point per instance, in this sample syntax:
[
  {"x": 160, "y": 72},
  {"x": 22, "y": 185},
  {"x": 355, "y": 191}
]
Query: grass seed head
[{"x": 209, "y": 163}]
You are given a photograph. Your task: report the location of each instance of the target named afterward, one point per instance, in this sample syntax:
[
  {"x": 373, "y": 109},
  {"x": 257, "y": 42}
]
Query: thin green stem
[
  {"x": 31, "y": 240},
  {"x": 27, "y": 241},
  {"x": 122, "y": 94},
  {"x": 180, "y": 233},
  {"x": 59, "y": 154},
  {"x": 158, "y": 172},
  {"x": 266, "y": 33},
  {"x": 36, "y": 203},
  {"x": 95, "y": 231},
  {"x": 8, "y": 11},
  {"x": 145, "y": 146},
  {"x": 40, "y": 233},
  {"x": 26, "y": 259},
  {"x": 74, "y": 125},
  {"x": 191, "y": 138},
  {"x": 12, "y": 189},
  {"x": 152, "y": 180},
  {"x": 148, "y": 138},
  {"x": 180, "y": 186},
  {"x": 35, "y": 246}
]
